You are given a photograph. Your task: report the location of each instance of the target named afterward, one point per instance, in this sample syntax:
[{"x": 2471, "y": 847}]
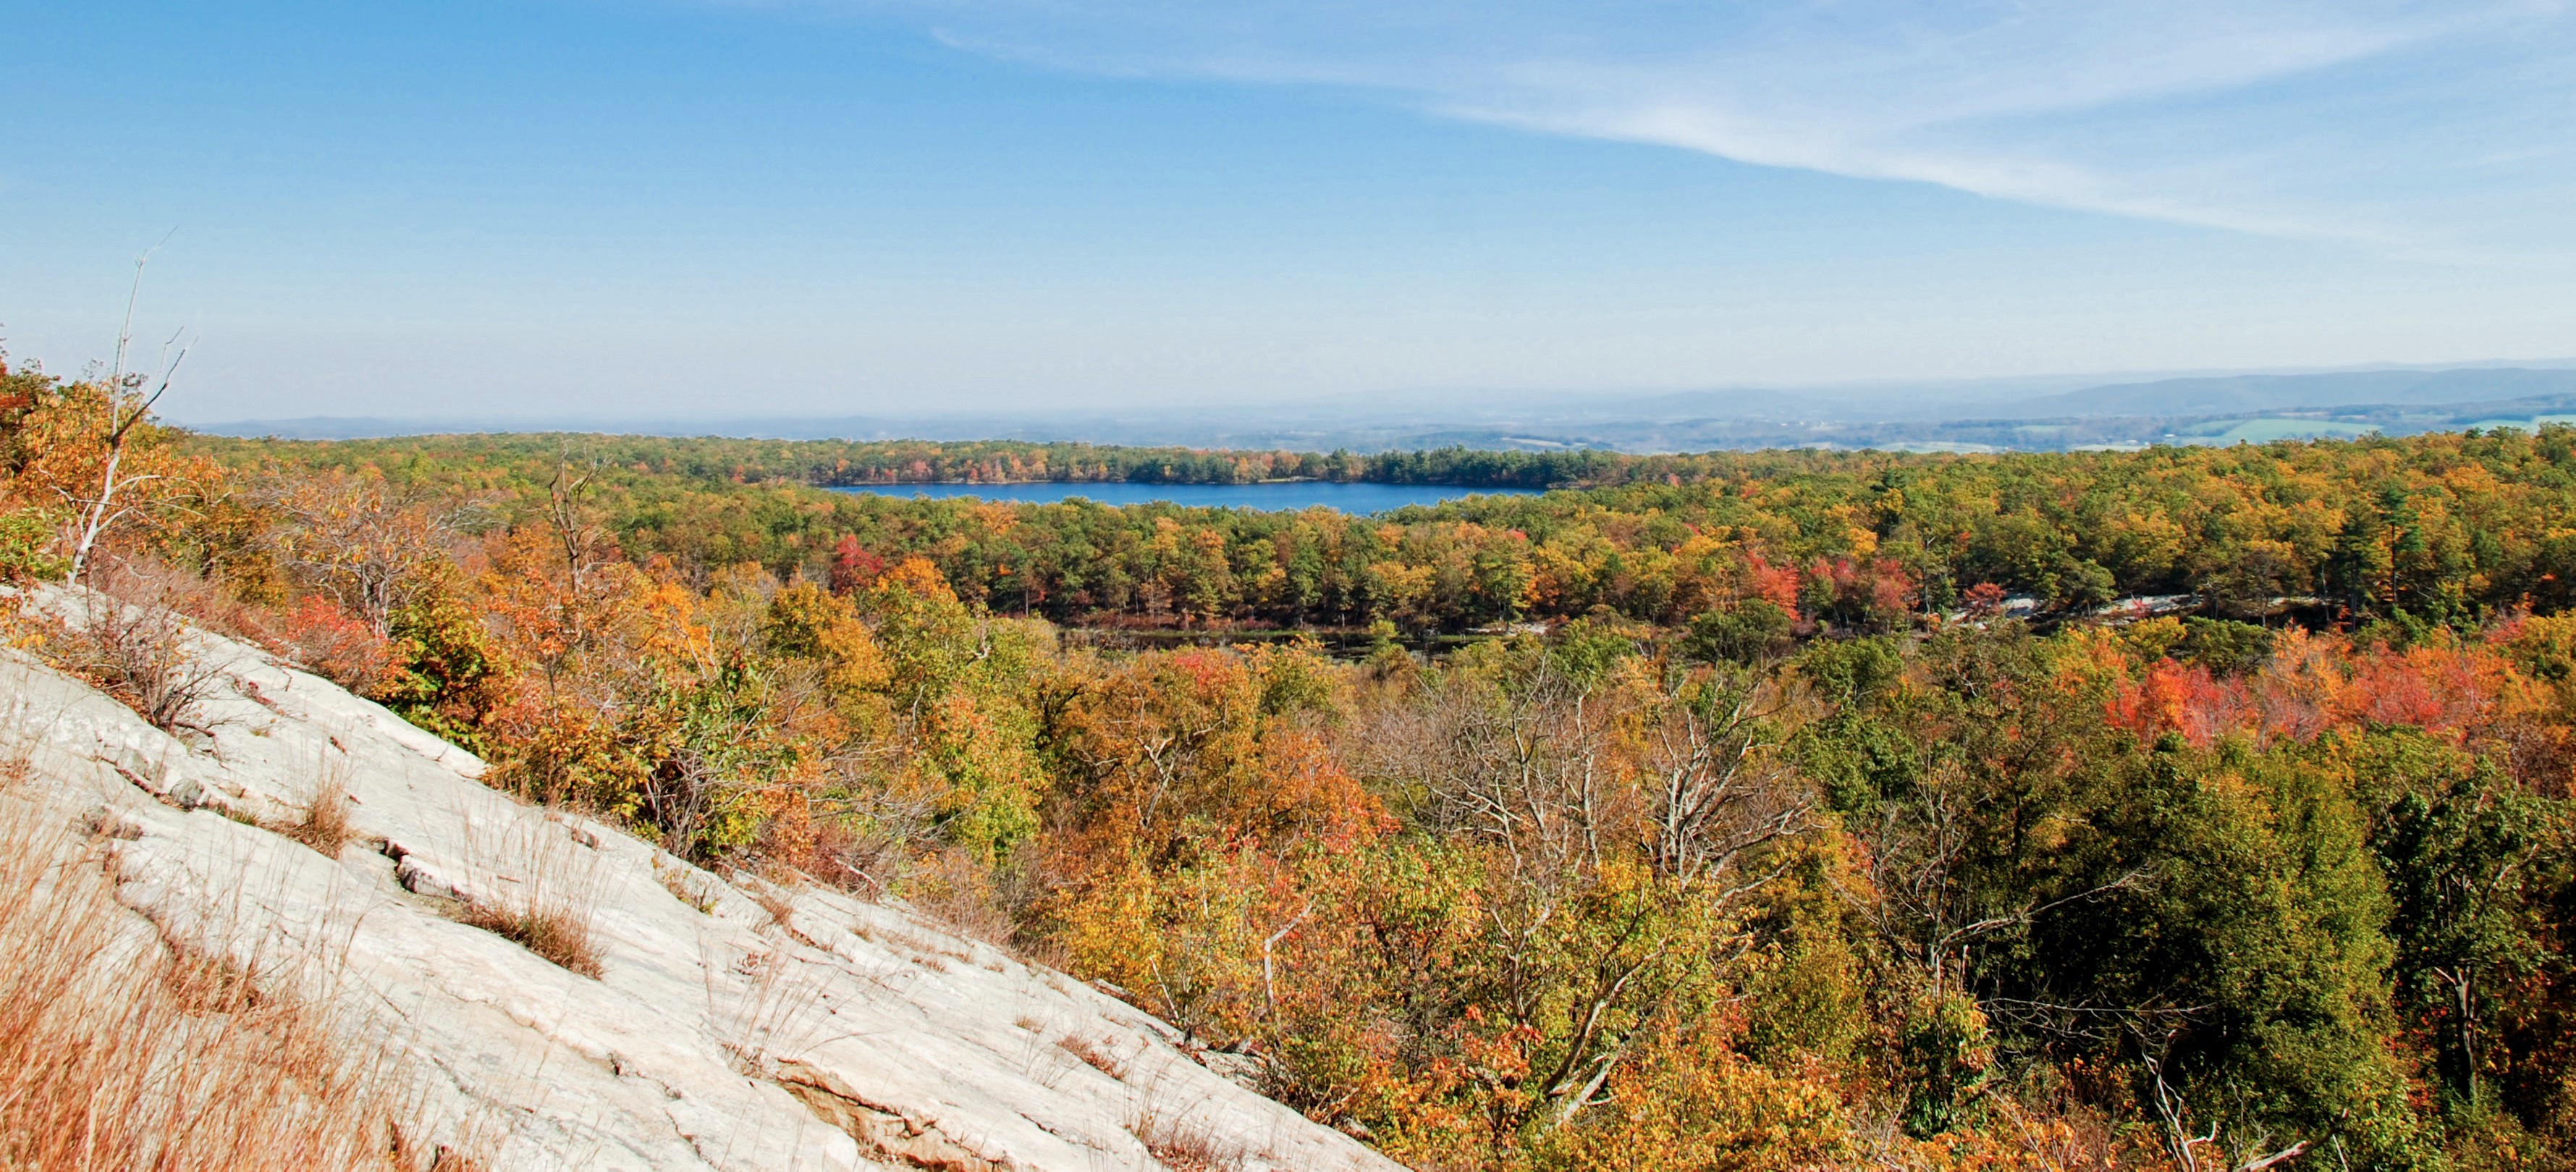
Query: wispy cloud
[{"x": 2356, "y": 120}]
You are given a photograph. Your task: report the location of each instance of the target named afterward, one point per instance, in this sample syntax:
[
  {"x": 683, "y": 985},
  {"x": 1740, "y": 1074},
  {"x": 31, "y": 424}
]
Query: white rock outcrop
[{"x": 719, "y": 1035}]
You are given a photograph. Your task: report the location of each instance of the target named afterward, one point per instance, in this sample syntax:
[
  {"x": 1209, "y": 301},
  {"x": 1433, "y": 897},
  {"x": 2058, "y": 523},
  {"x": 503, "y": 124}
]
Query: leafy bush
[
  {"x": 26, "y": 545},
  {"x": 147, "y": 656},
  {"x": 1748, "y": 632}
]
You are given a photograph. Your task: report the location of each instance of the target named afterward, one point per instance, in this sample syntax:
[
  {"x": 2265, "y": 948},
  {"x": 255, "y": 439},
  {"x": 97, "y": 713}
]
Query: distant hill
[
  {"x": 2000, "y": 414},
  {"x": 2249, "y": 393}
]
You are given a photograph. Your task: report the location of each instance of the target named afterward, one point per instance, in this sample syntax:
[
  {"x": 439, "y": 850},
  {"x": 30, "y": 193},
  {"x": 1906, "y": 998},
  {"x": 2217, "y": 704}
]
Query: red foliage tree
[{"x": 853, "y": 567}]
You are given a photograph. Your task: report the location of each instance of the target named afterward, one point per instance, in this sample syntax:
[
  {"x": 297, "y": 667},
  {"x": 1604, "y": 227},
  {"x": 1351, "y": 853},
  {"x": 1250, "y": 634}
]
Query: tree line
[
  {"x": 853, "y": 462},
  {"x": 2436, "y": 528}
]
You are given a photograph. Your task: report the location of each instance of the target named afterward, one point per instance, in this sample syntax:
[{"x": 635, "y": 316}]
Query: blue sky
[{"x": 669, "y": 208}]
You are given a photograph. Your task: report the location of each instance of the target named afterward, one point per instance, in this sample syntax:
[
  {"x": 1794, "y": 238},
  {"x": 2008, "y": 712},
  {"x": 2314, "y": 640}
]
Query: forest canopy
[{"x": 2433, "y": 528}]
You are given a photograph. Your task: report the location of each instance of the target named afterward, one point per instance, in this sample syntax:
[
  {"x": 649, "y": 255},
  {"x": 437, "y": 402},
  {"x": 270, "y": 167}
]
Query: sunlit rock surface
[{"x": 850, "y": 1035}]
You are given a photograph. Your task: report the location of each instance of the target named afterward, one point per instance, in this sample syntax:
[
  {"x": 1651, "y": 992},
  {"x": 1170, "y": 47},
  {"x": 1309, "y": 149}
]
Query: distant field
[
  {"x": 2532, "y": 424},
  {"x": 1949, "y": 447},
  {"x": 2264, "y": 431}
]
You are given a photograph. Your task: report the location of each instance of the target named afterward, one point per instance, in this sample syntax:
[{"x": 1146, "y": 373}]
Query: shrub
[
  {"x": 143, "y": 654},
  {"x": 1748, "y": 633},
  {"x": 26, "y": 545},
  {"x": 337, "y": 645}
]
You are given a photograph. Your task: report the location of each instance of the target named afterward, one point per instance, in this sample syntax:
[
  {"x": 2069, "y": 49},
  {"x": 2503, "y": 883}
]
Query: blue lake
[{"x": 1302, "y": 494}]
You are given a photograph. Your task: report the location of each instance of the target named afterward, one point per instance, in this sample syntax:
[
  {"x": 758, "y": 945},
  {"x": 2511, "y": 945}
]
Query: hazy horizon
[{"x": 1892, "y": 398}]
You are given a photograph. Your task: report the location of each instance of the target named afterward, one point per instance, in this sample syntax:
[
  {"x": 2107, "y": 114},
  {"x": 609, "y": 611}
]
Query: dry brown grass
[
  {"x": 925, "y": 951},
  {"x": 19, "y": 727},
  {"x": 558, "y": 934},
  {"x": 1187, "y": 1150},
  {"x": 685, "y": 885},
  {"x": 537, "y": 887},
  {"x": 778, "y": 1014},
  {"x": 1179, "y": 1144},
  {"x": 324, "y": 822},
  {"x": 1093, "y": 1054},
  {"x": 17, "y": 762},
  {"x": 776, "y": 903},
  {"x": 118, "y": 1051}
]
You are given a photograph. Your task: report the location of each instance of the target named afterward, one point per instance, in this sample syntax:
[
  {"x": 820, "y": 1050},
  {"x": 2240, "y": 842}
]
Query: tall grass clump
[
  {"x": 120, "y": 1051},
  {"x": 1178, "y": 1143},
  {"x": 323, "y": 823},
  {"x": 536, "y": 887},
  {"x": 556, "y": 933}
]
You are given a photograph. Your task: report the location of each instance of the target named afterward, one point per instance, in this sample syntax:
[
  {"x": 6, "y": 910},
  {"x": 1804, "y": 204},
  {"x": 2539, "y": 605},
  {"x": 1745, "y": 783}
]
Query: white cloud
[{"x": 2281, "y": 117}]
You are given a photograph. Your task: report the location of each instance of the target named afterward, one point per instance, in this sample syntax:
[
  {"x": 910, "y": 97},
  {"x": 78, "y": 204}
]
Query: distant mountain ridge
[
  {"x": 2189, "y": 409},
  {"x": 2240, "y": 394}
]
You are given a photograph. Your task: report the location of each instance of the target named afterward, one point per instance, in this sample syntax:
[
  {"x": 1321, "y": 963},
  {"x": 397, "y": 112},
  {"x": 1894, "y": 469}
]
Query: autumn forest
[{"x": 2189, "y": 808}]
